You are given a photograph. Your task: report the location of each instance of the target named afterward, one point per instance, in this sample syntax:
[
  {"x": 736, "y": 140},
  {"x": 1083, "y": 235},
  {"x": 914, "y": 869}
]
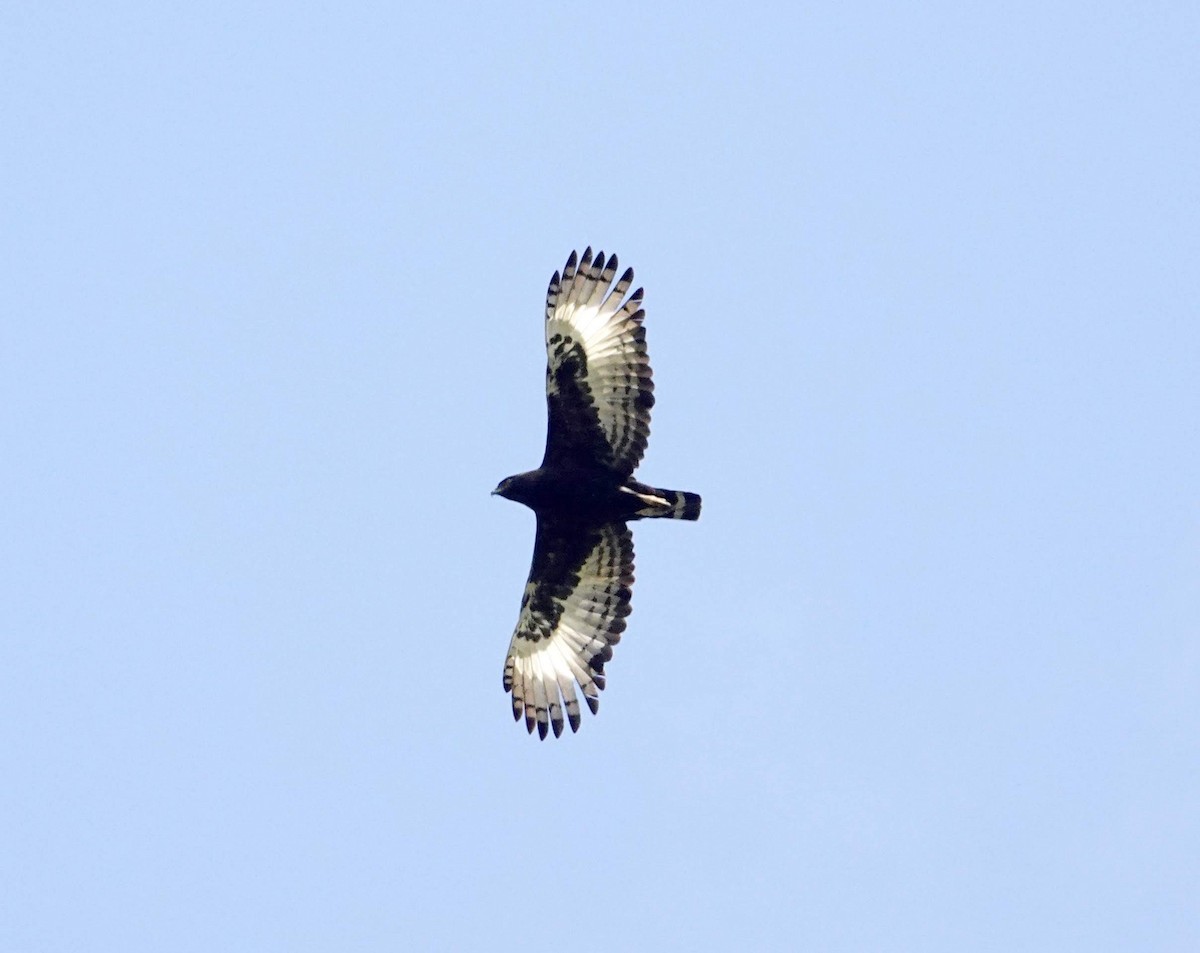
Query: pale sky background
[{"x": 922, "y": 289}]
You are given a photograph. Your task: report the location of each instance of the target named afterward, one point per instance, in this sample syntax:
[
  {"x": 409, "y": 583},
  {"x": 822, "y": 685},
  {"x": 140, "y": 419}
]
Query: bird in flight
[{"x": 598, "y": 398}]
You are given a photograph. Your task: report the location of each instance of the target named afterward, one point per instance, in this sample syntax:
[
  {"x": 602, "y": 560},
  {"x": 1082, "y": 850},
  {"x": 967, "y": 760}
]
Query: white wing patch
[
  {"x": 581, "y": 309},
  {"x": 566, "y": 632}
]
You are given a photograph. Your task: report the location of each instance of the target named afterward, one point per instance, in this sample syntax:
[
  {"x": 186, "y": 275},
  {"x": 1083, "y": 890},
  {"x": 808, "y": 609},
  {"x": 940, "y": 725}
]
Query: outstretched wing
[
  {"x": 598, "y": 387},
  {"x": 572, "y": 614}
]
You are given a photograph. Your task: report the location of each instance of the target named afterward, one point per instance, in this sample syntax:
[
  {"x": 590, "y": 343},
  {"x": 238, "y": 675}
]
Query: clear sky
[{"x": 922, "y": 288}]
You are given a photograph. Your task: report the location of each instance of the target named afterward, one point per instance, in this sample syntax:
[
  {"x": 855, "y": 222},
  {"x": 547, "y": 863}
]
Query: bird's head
[
  {"x": 504, "y": 488},
  {"x": 520, "y": 488}
]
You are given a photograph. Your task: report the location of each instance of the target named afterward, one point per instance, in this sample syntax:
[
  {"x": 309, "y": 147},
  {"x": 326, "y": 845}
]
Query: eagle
[{"x": 598, "y": 398}]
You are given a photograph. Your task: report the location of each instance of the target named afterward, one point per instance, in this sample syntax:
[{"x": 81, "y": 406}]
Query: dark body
[
  {"x": 585, "y": 495},
  {"x": 598, "y": 398}
]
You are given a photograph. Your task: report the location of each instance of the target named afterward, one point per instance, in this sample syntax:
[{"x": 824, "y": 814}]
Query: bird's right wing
[
  {"x": 598, "y": 383},
  {"x": 572, "y": 614}
]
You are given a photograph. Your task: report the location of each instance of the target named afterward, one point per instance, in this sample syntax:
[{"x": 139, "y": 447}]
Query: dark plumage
[{"x": 598, "y": 397}]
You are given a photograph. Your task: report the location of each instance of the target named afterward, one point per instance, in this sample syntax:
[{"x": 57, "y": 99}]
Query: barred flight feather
[
  {"x": 598, "y": 378},
  {"x": 564, "y": 635}
]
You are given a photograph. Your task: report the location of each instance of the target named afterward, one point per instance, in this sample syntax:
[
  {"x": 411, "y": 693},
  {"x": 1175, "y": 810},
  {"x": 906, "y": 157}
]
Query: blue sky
[{"x": 921, "y": 289}]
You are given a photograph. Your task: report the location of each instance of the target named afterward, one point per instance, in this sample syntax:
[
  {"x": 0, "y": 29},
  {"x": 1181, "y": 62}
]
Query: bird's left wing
[
  {"x": 572, "y": 614},
  {"x": 598, "y": 382}
]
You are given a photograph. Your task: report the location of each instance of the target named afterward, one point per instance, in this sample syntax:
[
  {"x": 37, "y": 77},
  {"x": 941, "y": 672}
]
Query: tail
[{"x": 665, "y": 504}]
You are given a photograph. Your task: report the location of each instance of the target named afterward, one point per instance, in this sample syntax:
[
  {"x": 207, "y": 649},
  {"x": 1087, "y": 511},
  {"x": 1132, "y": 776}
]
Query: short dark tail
[{"x": 667, "y": 504}]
